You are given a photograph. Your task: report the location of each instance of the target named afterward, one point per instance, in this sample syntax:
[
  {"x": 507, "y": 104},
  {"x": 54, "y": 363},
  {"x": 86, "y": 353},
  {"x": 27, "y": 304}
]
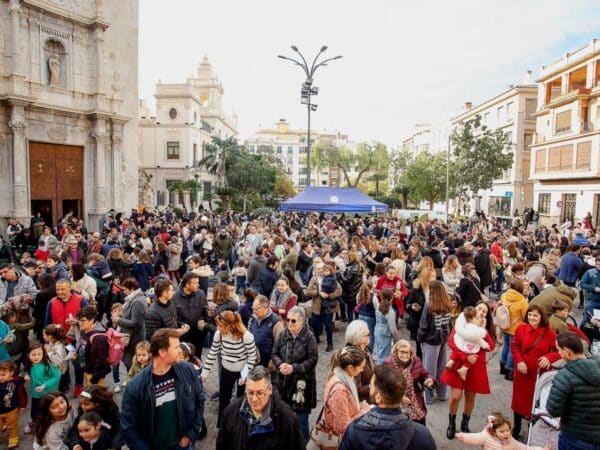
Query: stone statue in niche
[
  {"x": 55, "y": 56},
  {"x": 54, "y": 68}
]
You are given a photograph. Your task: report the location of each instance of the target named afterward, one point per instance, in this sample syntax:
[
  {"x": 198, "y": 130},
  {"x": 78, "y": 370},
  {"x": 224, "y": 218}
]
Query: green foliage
[
  {"x": 178, "y": 211},
  {"x": 481, "y": 155},
  {"x": 220, "y": 155},
  {"x": 425, "y": 177},
  {"x": 391, "y": 201},
  {"x": 261, "y": 211},
  {"x": 369, "y": 159},
  {"x": 283, "y": 186}
]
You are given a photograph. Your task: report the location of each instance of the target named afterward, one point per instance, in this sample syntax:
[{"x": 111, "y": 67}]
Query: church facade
[{"x": 68, "y": 108}]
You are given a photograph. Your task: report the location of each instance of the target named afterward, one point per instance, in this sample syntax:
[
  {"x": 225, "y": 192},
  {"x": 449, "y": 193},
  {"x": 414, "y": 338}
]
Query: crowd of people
[{"x": 102, "y": 334}]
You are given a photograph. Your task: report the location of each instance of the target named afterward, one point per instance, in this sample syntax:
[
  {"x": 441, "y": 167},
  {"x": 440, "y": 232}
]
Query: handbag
[
  {"x": 322, "y": 436},
  {"x": 484, "y": 298}
]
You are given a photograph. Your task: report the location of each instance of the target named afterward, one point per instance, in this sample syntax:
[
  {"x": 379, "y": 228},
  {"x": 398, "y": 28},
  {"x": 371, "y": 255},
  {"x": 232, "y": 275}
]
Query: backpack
[
  {"x": 502, "y": 317},
  {"x": 116, "y": 348}
]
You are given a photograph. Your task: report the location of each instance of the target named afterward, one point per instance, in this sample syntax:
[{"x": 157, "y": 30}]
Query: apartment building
[
  {"x": 290, "y": 146},
  {"x": 511, "y": 111},
  {"x": 566, "y": 149}
]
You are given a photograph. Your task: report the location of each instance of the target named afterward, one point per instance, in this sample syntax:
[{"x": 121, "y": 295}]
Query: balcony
[{"x": 568, "y": 97}]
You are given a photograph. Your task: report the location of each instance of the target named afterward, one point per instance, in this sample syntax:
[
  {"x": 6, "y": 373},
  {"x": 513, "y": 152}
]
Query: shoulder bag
[{"x": 322, "y": 436}]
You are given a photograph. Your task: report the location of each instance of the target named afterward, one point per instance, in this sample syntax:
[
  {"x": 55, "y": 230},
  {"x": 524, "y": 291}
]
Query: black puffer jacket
[
  {"x": 434, "y": 329},
  {"x": 190, "y": 309},
  {"x": 575, "y": 398},
  {"x": 415, "y": 296},
  {"x": 283, "y": 430},
  {"x": 352, "y": 281},
  {"x": 303, "y": 355},
  {"x": 160, "y": 315}
]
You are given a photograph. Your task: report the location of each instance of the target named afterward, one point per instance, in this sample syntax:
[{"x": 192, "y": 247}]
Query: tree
[
  {"x": 425, "y": 176},
  {"x": 251, "y": 175},
  {"x": 481, "y": 154},
  {"x": 179, "y": 187},
  {"x": 284, "y": 186},
  {"x": 220, "y": 155},
  {"x": 402, "y": 189},
  {"x": 369, "y": 159},
  {"x": 318, "y": 160}
]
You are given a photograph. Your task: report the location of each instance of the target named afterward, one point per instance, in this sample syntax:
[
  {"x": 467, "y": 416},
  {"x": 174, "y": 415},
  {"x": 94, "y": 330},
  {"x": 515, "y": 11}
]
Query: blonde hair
[{"x": 402, "y": 343}]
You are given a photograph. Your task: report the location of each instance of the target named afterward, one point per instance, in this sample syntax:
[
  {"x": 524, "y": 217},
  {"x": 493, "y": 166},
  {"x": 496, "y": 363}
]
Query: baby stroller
[{"x": 544, "y": 428}]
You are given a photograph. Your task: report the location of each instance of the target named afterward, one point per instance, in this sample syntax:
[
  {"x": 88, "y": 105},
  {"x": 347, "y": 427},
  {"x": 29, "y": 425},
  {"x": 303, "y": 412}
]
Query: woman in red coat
[
  {"x": 394, "y": 282},
  {"x": 533, "y": 349},
  {"x": 477, "y": 378}
]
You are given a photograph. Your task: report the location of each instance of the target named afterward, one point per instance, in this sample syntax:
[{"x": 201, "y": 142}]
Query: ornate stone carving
[
  {"x": 54, "y": 68},
  {"x": 20, "y": 197},
  {"x": 55, "y": 54},
  {"x": 57, "y": 134},
  {"x": 18, "y": 127}
]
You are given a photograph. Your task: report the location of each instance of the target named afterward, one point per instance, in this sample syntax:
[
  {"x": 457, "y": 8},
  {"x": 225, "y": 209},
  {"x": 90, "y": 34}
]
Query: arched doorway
[{"x": 55, "y": 180}]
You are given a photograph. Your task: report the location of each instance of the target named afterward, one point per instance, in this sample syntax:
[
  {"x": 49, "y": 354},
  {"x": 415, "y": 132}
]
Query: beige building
[
  {"x": 512, "y": 112},
  {"x": 565, "y": 164},
  {"x": 289, "y": 145},
  {"x": 173, "y": 140},
  {"x": 68, "y": 106}
]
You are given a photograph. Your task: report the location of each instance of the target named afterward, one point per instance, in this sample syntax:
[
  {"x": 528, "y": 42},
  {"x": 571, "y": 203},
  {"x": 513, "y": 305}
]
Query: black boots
[
  {"x": 517, "y": 426},
  {"x": 464, "y": 424},
  {"x": 503, "y": 369},
  {"x": 451, "y": 431},
  {"x": 509, "y": 375}
]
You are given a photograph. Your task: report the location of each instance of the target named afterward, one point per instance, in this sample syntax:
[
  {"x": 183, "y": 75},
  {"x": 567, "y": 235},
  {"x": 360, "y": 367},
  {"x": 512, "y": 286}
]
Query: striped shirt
[{"x": 235, "y": 353}]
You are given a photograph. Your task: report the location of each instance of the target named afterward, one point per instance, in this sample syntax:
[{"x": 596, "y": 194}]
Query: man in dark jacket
[
  {"x": 575, "y": 396},
  {"x": 260, "y": 419},
  {"x": 387, "y": 427},
  {"x": 570, "y": 264},
  {"x": 264, "y": 325},
  {"x": 223, "y": 245},
  {"x": 483, "y": 264},
  {"x": 95, "y": 344},
  {"x": 268, "y": 277},
  {"x": 257, "y": 264},
  {"x": 163, "y": 406},
  {"x": 192, "y": 308}
]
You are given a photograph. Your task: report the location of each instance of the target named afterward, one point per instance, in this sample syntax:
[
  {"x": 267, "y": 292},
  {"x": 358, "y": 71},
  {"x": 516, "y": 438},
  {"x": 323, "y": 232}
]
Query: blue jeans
[
  {"x": 506, "y": 356},
  {"x": 566, "y": 442},
  {"x": 318, "y": 321},
  {"x": 115, "y": 373},
  {"x": 589, "y": 309},
  {"x": 304, "y": 276},
  {"x": 499, "y": 280},
  {"x": 78, "y": 371},
  {"x": 303, "y": 419},
  {"x": 371, "y": 323},
  {"x": 383, "y": 344}
]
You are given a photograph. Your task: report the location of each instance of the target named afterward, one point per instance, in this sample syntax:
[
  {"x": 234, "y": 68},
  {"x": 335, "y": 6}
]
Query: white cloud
[{"x": 405, "y": 61}]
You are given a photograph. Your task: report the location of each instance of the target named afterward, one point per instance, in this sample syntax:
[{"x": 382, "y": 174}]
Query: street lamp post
[{"x": 308, "y": 90}]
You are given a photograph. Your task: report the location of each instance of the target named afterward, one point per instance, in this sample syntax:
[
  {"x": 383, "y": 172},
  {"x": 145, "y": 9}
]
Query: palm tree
[{"x": 220, "y": 154}]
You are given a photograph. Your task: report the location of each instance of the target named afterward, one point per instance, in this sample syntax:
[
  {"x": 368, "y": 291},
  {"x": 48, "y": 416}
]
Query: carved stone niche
[{"x": 55, "y": 59}]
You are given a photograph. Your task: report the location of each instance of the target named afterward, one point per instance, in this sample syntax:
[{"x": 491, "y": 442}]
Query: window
[
  {"x": 540, "y": 160},
  {"x": 486, "y": 118},
  {"x": 195, "y": 154},
  {"x": 500, "y": 116},
  {"x": 279, "y": 149},
  {"x": 173, "y": 113},
  {"x": 544, "y": 203},
  {"x": 251, "y": 148},
  {"x": 499, "y": 206},
  {"x": 527, "y": 140},
  {"x": 302, "y": 149},
  {"x": 195, "y": 117},
  {"x": 563, "y": 122},
  {"x": 560, "y": 158},
  {"x": 530, "y": 107},
  {"x": 509, "y": 110},
  {"x": 172, "y": 150},
  {"x": 290, "y": 150},
  {"x": 584, "y": 155}
]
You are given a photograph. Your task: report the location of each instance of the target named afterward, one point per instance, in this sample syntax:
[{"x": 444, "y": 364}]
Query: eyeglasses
[
  {"x": 404, "y": 352},
  {"x": 258, "y": 309},
  {"x": 292, "y": 320},
  {"x": 258, "y": 394}
]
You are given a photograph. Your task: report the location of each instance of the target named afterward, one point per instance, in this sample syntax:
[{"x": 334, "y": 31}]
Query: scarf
[
  {"x": 416, "y": 411},
  {"x": 280, "y": 299},
  {"x": 133, "y": 294},
  {"x": 350, "y": 383}
]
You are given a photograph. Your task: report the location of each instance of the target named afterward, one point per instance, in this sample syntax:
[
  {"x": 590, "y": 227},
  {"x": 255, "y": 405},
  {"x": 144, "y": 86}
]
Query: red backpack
[{"x": 115, "y": 346}]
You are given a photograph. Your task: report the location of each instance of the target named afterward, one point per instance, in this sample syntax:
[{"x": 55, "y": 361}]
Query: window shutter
[{"x": 584, "y": 155}]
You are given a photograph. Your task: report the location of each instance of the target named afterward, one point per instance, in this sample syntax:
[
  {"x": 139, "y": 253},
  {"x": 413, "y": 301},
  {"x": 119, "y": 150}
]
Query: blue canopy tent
[{"x": 334, "y": 200}]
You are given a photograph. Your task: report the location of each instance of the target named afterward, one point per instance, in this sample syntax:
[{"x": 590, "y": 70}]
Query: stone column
[
  {"x": 14, "y": 9},
  {"x": 100, "y": 139},
  {"x": 99, "y": 37},
  {"x": 118, "y": 165},
  {"x": 18, "y": 125}
]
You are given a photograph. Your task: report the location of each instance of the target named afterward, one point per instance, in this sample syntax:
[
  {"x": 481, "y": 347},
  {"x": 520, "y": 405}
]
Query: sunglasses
[{"x": 292, "y": 320}]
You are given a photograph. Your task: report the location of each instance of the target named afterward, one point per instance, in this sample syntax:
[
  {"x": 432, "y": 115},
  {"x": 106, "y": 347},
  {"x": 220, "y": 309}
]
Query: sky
[{"x": 404, "y": 61}]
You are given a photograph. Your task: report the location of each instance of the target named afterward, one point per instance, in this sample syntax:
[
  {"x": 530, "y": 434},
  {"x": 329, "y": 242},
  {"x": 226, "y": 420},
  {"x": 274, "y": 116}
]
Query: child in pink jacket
[{"x": 496, "y": 436}]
